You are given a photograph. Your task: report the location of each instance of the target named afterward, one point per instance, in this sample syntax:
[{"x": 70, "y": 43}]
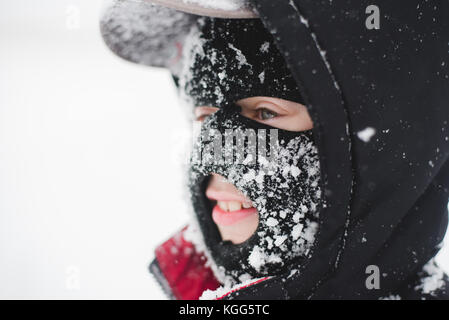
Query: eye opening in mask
[
  {"x": 262, "y": 113},
  {"x": 277, "y": 113}
]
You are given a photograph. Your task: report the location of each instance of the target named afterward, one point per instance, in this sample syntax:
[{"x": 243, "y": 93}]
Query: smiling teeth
[
  {"x": 247, "y": 205},
  {"x": 230, "y": 206}
]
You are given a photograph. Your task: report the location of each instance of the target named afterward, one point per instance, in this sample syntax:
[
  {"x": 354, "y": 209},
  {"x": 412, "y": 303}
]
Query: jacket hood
[
  {"x": 379, "y": 102},
  {"x": 378, "y": 99}
]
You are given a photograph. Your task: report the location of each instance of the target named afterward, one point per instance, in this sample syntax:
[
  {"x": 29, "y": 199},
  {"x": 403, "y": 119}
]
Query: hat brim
[
  {"x": 231, "y": 9},
  {"x": 151, "y": 32}
]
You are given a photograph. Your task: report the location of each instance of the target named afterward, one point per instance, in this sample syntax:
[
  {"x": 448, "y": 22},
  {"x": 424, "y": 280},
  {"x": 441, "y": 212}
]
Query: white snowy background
[{"x": 89, "y": 177}]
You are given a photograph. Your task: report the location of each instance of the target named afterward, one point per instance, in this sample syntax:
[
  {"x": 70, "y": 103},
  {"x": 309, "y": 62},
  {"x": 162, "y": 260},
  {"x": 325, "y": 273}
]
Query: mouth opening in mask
[
  {"x": 232, "y": 212},
  {"x": 228, "y": 218}
]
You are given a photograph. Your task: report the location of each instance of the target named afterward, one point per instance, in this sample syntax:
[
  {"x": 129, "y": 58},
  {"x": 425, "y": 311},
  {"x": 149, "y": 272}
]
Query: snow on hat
[
  {"x": 151, "y": 32},
  {"x": 213, "y": 8}
]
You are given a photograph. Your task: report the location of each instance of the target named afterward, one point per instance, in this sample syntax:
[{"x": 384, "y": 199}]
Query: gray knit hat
[{"x": 151, "y": 32}]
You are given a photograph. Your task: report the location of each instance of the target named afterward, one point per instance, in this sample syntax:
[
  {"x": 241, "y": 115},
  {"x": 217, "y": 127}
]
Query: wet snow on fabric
[
  {"x": 240, "y": 56},
  {"x": 228, "y": 5},
  {"x": 221, "y": 66},
  {"x": 391, "y": 297},
  {"x": 265, "y": 47},
  {"x": 366, "y": 134},
  {"x": 257, "y": 258},
  {"x": 432, "y": 279},
  {"x": 285, "y": 192},
  {"x": 262, "y": 76},
  {"x": 222, "y": 291},
  {"x": 192, "y": 47}
]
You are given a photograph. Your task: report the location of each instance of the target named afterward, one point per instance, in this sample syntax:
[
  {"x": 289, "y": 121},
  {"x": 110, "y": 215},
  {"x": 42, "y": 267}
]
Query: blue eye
[{"x": 266, "y": 114}]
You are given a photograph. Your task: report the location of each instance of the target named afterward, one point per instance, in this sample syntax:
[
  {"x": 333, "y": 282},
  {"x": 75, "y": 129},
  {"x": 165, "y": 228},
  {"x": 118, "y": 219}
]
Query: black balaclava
[{"x": 224, "y": 61}]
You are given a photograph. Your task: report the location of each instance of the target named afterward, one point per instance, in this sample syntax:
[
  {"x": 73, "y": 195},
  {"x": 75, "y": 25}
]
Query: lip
[{"x": 225, "y": 218}]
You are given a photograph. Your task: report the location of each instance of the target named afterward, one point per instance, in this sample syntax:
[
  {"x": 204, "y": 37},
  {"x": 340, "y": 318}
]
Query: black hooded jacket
[
  {"x": 379, "y": 99},
  {"x": 386, "y": 196}
]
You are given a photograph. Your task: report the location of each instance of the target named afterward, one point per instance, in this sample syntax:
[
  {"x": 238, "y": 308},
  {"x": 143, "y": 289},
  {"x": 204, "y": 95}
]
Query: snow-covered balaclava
[{"x": 224, "y": 61}]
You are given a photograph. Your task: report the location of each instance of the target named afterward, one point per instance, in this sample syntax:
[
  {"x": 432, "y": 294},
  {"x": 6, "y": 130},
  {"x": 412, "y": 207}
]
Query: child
[{"x": 355, "y": 204}]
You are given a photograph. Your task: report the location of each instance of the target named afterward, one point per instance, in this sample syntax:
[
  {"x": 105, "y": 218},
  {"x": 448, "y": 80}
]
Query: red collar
[{"x": 182, "y": 271}]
